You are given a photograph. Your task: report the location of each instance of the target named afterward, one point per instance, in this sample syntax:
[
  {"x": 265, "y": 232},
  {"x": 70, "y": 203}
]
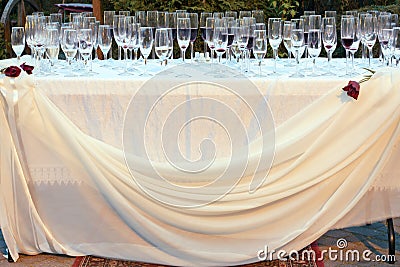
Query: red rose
[
  {"x": 12, "y": 71},
  {"x": 352, "y": 89},
  {"x": 28, "y": 69}
]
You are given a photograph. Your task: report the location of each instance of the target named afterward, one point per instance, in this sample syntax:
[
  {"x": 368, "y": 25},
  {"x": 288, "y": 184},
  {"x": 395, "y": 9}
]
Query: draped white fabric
[{"x": 334, "y": 166}]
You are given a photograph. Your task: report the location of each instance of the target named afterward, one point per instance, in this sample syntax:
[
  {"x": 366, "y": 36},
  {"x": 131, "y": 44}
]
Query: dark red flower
[
  {"x": 352, "y": 89},
  {"x": 28, "y": 69},
  {"x": 12, "y": 71}
]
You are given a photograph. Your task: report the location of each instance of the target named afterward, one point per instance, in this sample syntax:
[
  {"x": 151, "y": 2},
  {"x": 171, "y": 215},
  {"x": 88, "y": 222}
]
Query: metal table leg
[{"x": 391, "y": 238}]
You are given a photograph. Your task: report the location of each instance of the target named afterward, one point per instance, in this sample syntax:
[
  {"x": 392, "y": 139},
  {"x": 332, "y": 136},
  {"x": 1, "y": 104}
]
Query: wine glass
[
  {"x": 85, "y": 46},
  {"x": 203, "y": 19},
  {"x": 306, "y": 19},
  {"x": 104, "y": 40},
  {"x": 194, "y": 26},
  {"x": 287, "y": 41},
  {"x": 347, "y": 35},
  {"x": 260, "y": 47},
  {"x": 220, "y": 37},
  {"x": 161, "y": 43},
  {"x": 52, "y": 45},
  {"x": 146, "y": 44},
  {"x": 298, "y": 45},
  {"x": 18, "y": 41},
  {"x": 70, "y": 47},
  {"x": 368, "y": 32},
  {"x": 314, "y": 39},
  {"x": 170, "y": 45},
  {"x": 275, "y": 37},
  {"x": 183, "y": 33},
  {"x": 329, "y": 38}
]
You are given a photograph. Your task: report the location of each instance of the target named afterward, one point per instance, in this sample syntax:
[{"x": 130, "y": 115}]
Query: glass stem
[
  {"x": 191, "y": 51},
  {"x": 275, "y": 51},
  {"x": 370, "y": 56},
  {"x": 126, "y": 59}
]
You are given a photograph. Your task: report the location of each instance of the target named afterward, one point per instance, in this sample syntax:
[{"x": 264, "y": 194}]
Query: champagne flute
[
  {"x": 210, "y": 23},
  {"x": 384, "y": 29},
  {"x": 298, "y": 45},
  {"x": 18, "y": 41},
  {"x": 52, "y": 46},
  {"x": 104, "y": 40},
  {"x": 329, "y": 38},
  {"x": 161, "y": 44},
  {"x": 172, "y": 26},
  {"x": 244, "y": 14},
  {"x": 162, "y": 19},
  {"x": 347, "y": 35},
  {"x": 170, "y": 45},
  {"x": 203, "y": 29},
  {"x": 117, "y": 20},
  {"x": 108, "y": 20},
  {"x": 146, "y": 45},
  {"x": 314, "y": 39},
  {"x": 151, "y": 17},
  {"x": 124, "y": 13},
  {"x": 70, "y": 47},
  {"x": 85, "y": 46},
  {"x": 194, "y": 26},
  {"x": 125, "y": 36},
  {"x": 183, "y": 33},
  {"x": 287, "y": 41},
  {"x": 275, "y": 37},
  {"x": 232, "y": 14},
  {"x": 395, "y": 44},
  {"x": 260, "y": 47},
  {"x": 29, "y": 31},
  {"x": 368, "y": 32},
  {"x": 220, "y": 37},
  {"x": 356, "y": 41}
]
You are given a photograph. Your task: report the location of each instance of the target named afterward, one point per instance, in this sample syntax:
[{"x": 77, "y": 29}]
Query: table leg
[{"x": 391, "y": 238}]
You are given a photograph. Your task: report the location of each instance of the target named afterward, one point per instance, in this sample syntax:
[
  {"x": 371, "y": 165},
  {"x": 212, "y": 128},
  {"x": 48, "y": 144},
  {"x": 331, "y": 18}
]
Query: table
[{"x": 66, "y": 187}]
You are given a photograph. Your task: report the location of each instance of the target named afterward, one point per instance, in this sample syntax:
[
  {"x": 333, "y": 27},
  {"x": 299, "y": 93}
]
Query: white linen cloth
[{"x": 334, "y": 166}]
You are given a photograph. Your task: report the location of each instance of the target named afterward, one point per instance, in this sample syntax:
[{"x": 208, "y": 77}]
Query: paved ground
[{"x": 359, "y": 239}]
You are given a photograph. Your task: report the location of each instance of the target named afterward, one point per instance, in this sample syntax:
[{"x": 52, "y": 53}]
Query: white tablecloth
[{"x": 66, "y": 188}]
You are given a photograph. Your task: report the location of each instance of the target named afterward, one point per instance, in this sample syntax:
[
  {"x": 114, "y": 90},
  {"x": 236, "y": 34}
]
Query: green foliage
[
  {"x": 3, "y": 51},
  {"x": 285, "y": 9}
]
